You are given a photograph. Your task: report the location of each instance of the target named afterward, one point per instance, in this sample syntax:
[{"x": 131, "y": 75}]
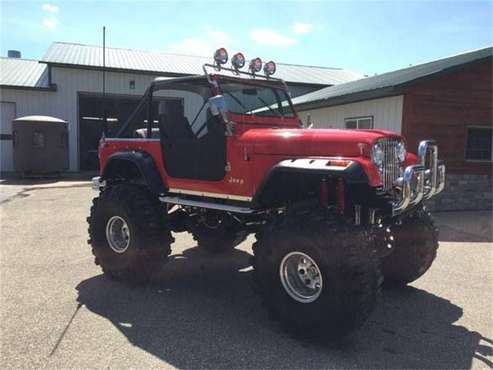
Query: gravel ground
[{"x": 58, "y": 311}]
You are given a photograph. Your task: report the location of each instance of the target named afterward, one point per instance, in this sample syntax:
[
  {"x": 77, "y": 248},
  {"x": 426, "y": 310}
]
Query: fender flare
[
  {"x": 143, "y": 162},
  {"x": 353, "y": 173}
]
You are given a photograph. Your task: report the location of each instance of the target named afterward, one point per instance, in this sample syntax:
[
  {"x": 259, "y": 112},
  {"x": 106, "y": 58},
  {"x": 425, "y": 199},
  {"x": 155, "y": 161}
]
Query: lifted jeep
[{"x": 335, "y": 212}]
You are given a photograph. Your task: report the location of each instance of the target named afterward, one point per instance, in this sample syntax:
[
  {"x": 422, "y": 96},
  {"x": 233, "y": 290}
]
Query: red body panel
[{"x": 253, "y": 151}]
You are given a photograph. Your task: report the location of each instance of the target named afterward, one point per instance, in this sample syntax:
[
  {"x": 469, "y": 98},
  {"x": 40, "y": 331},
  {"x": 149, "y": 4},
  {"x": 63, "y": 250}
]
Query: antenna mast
[{"x": 105, "y": 123}]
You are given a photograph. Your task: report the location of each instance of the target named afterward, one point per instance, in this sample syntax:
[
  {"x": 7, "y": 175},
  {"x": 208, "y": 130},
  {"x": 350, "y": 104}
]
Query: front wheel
[
  {"x": 319, "y": 279},
  {"x": 128, "y": 233},
  {"x": 415, "y": 249}
]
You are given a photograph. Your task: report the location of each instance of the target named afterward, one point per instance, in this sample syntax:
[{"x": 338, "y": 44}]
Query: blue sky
[{"x": 367, "y": 37}]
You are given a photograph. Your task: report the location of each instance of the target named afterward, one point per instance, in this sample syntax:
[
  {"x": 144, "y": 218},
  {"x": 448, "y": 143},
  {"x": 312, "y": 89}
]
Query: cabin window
[
  {"x": 359, "y": 122},
  {"x": 478, "y": 145}
]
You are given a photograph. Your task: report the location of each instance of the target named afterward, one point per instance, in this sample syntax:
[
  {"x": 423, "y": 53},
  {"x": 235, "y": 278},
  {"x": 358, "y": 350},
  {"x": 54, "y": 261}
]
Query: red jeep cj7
[{"x": 335, "y": 212}]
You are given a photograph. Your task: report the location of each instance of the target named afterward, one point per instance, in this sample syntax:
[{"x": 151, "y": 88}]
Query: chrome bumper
[
  {"x": 421, "y": 181},
  {"x": 97, "y": 183}
]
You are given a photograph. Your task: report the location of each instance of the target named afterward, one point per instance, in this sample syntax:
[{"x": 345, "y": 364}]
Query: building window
[
  {"x": 478, "y": 146},
  {"x": 359, "y": 122}
]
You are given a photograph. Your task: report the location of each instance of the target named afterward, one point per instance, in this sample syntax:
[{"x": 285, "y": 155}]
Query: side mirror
[{"x": 217, "y": 105}]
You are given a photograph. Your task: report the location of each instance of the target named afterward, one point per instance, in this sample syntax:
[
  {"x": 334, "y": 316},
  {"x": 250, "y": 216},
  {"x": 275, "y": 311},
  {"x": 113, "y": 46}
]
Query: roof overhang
[
  {"x": 112, "y": 69},
  {"x": 350, "y": 98},
  {"x": 154, "y": 73},
  {"x": 381, "y": 92},
  {"x": 52, "y": 88}
]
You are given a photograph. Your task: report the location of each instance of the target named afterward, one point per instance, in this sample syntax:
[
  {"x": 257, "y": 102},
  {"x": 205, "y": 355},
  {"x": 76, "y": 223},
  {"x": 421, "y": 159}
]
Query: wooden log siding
[{"x": 442, "y": 107}]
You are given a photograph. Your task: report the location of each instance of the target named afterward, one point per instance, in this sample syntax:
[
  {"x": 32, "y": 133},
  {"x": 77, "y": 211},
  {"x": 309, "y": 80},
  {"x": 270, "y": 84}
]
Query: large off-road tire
[
  {"x": 415, "y": 249},
  {"x": 218, "y": 239},
  {"x": 296, "y": 249},
  {"x": 128, "y": 233}
]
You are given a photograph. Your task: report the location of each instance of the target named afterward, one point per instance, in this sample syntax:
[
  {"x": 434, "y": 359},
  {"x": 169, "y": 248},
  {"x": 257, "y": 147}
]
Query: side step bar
[{"x": 203, "y": 204}]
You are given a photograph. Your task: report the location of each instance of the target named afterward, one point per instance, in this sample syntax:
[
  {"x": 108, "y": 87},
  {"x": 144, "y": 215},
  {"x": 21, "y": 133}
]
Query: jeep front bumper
[
  {"x": 97, "y": 183},
  {"x": 421, "y": 181}
]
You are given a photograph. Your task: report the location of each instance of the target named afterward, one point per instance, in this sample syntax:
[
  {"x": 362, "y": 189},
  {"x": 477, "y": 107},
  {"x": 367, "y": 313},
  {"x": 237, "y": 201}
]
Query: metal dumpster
[{"x": 40, "y": 144}]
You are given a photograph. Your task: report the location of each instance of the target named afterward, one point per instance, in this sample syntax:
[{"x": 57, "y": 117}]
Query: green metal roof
[
  {"x": 158, "y": 62},
  {"x": 18, "y": 72},
  {"x": 384, "y": 84}
]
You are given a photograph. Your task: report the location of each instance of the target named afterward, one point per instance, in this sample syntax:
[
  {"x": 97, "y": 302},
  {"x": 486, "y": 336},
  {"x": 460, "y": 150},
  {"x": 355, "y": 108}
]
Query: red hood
[{"x": 312, "y": 142}]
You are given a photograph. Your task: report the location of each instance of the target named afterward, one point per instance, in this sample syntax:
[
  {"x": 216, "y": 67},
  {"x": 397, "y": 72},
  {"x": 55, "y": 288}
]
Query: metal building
[{"x": 67, "y": 83}]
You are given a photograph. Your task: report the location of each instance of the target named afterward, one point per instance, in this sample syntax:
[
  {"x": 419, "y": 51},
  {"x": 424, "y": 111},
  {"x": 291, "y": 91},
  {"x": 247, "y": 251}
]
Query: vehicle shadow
[
  {"x": 473, "y": 227},
  {"x": 203, "y": 312}
]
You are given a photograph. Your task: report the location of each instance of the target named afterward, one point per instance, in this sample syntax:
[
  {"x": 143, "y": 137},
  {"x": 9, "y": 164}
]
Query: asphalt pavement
[{"x": 58, "y": 310}]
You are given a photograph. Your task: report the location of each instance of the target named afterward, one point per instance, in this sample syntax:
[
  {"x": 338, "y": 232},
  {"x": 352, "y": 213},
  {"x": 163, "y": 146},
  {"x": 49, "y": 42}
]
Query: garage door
[
  {"x": 118, "y": 109},
  {"x": 7, "y": 114}
]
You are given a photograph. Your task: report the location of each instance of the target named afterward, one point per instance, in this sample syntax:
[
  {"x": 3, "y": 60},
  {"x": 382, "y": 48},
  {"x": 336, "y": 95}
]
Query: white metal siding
[
  {"x": 7, "y": 112},
  {"x": 386, "y": 112}
]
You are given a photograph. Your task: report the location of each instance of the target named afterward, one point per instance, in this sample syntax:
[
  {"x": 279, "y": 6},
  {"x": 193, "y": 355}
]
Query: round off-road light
[
  {"x": 221, "y": 56},
  {"x": 255, "y": 65},
  {"x": 270, "y": 68},
  {"x": 238, "y": 61}
]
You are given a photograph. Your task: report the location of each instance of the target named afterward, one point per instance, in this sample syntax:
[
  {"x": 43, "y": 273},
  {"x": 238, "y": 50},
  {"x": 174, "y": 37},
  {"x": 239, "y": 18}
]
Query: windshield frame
[{"x": 266, "y": 83}]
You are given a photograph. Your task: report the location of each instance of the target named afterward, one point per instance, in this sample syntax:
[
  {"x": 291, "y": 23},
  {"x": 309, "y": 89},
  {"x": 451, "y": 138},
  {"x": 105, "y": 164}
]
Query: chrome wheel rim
[
  {"x": 118, "y": 234},
  {"x": 301, "y": 277}
]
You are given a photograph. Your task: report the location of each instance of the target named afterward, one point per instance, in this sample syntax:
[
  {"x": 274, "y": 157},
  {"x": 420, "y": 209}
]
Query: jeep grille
[{"x": 391, "y": 168}]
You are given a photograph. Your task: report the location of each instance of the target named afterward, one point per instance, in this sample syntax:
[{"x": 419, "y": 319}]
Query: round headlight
[
  {"x": 221, "y": 56},
  {"x": 255, "y": 65},
  {"x": 377, "y": 155},
  {"x": 400, "y": 150}
]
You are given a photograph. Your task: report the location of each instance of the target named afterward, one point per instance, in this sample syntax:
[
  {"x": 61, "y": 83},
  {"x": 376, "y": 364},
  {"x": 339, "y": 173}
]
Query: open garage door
[
  {"x": 118, "y": 110},
  {"x": 91, "y": 110}
]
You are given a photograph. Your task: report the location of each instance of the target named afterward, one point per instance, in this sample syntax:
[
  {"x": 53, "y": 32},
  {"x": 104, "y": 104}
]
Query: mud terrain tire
[
  {"x": 415, "y": 249},
  {"x": 349, "y": 268},
  {"x": 148, "y": 237}
]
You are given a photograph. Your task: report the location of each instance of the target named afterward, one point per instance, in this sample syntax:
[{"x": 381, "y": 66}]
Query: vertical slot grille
[{"x": 391, "y": 168}]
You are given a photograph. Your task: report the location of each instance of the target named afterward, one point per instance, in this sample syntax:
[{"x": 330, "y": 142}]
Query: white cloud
[
  {"x": 265, "y": 36},
  {"x": 50, "y": 22},
  {"x": 204, "y": 45},
  {"x": 50, "y": 8},
  {"x": 301, "y": 28}
]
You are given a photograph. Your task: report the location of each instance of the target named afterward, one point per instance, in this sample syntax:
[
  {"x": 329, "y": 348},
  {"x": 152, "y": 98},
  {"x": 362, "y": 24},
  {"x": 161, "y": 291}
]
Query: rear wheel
[
  {"x": 319, "y": 279},
  {"x": 128, "y": 233},
  {"x": 415, "y": 249}
]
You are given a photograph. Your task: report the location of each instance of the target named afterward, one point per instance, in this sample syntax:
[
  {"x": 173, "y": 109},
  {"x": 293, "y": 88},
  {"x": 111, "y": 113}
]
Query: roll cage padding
[
  {"x": 274, "y": 181},
  {"x": 141, "y": 161}
]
